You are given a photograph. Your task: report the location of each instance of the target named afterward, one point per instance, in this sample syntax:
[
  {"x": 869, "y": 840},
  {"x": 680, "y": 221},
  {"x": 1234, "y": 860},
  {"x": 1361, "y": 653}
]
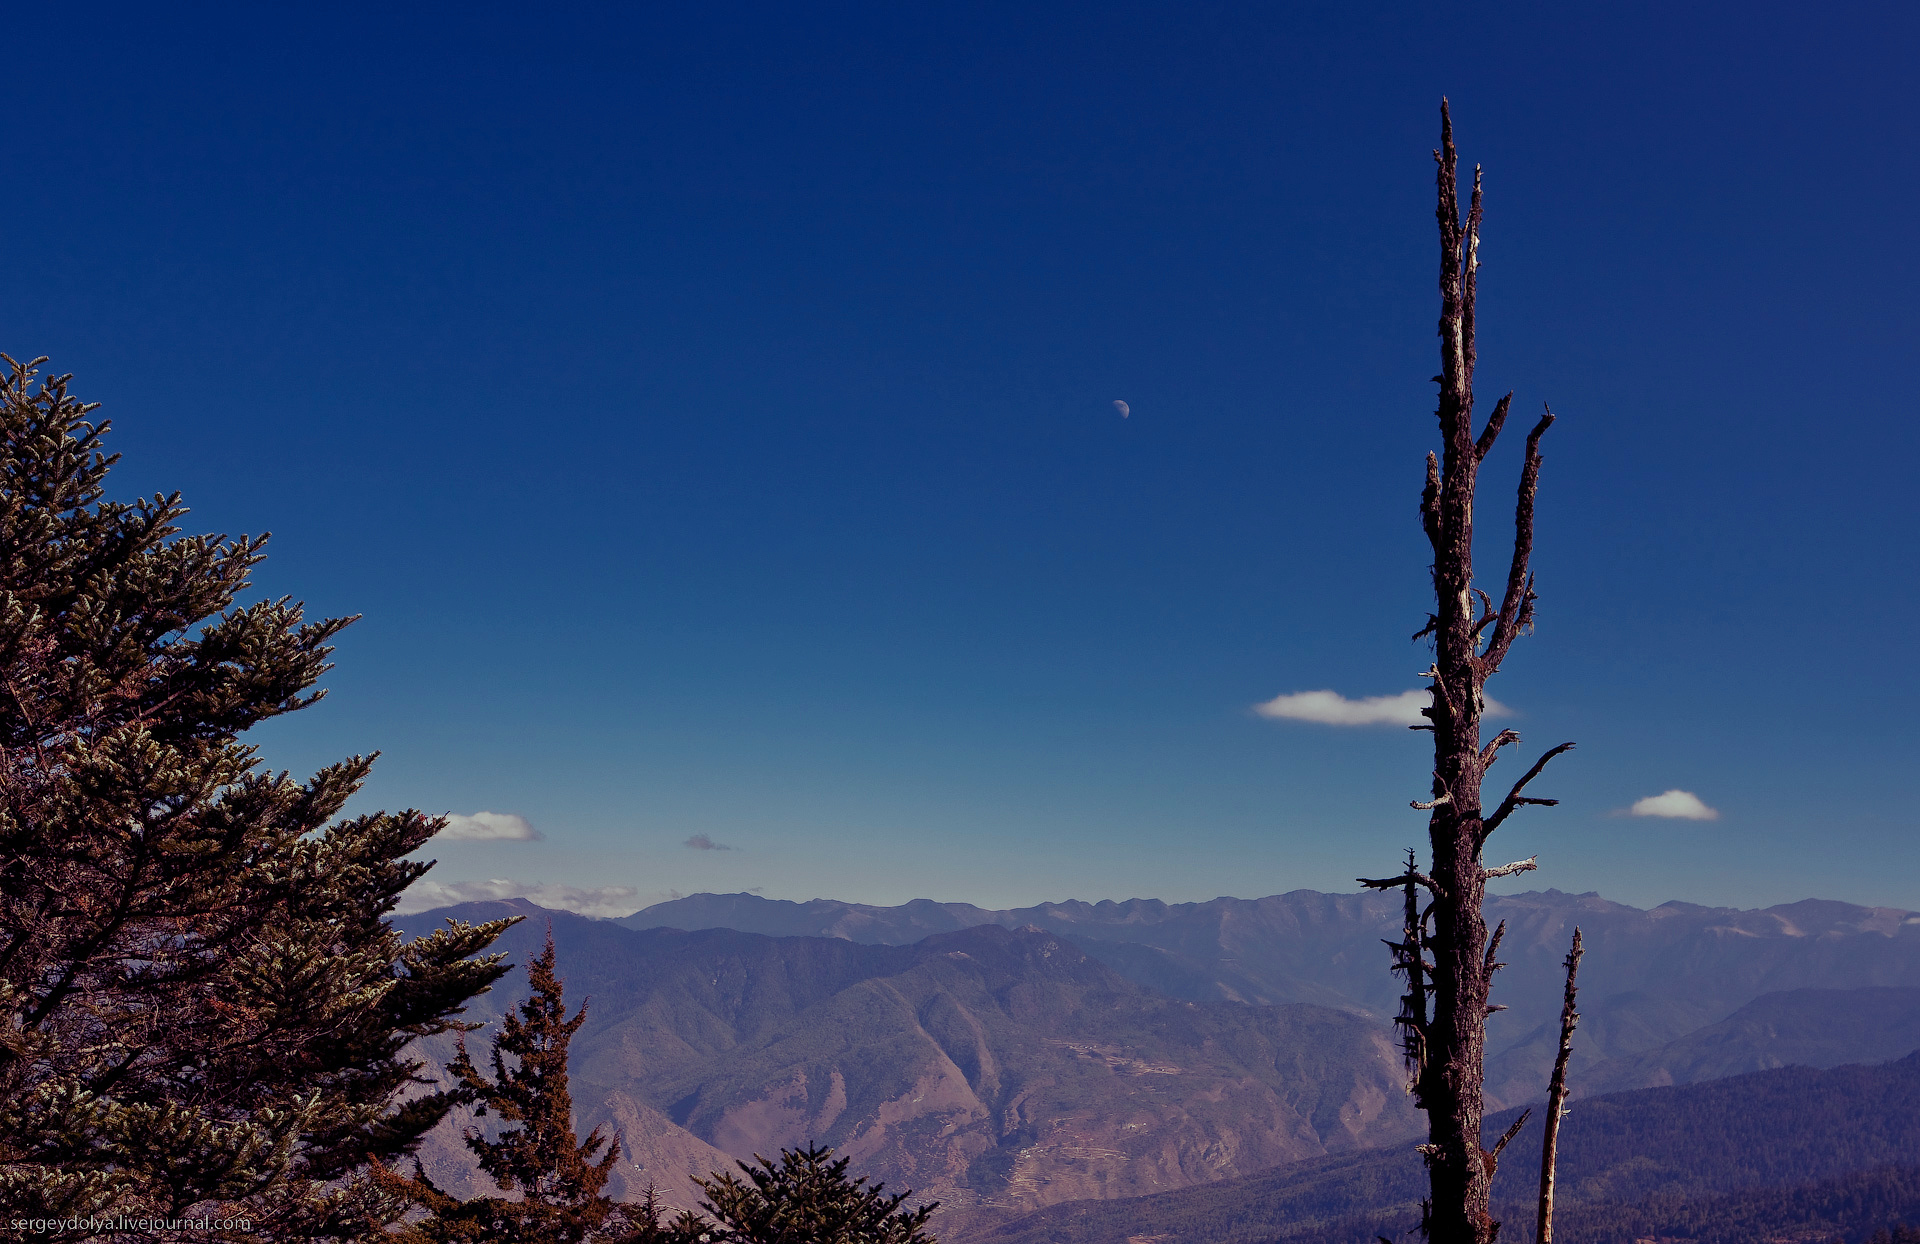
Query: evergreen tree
[
  {"x": 560, "y": 1186},
  {"x": 203, "y": 1011},
  {"x": 806, "y": 1198},
  {"x": 644, "y": 1225}
]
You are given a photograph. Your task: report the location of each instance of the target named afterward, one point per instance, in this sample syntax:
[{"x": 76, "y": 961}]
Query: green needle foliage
[
  {"x": 806, "y": 1198},
  {"x": 203, "y": 1011},
  {"x": 558, "y": 1182}
]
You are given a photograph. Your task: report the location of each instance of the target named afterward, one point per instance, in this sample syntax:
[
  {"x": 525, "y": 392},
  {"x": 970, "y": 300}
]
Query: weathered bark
[
  {"x": 1447, "y": 950},
  {"x": 1557, "y": 1096}
]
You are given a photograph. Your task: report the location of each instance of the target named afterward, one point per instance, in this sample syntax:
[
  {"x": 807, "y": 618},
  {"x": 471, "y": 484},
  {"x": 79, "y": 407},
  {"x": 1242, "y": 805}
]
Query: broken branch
[
  {"x": 1491, "y": 751},
  {"x": 1557, "y": 1095},
  {"x": 1491, "y": 432},
  {"x": 1514, "y": 800},
  {"x": 1516, "y": 608},
  {"x": 1510, "y": 1133}
]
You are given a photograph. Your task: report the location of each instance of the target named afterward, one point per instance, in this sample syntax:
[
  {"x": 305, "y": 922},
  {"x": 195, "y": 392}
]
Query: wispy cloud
[
  {"x": 1681, "y": 805},
  {"x": 488, "y": 827},
  {"x": 1330, "y": 708},
  {"x": 700, "y": 842},
  {"x": 602, "y": 901}
]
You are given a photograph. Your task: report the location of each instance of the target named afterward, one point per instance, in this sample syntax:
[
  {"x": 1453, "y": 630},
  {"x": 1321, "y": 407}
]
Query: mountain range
[
  {"x": 1649, "y": 976},
  {"x": 995, "y": 1070},
  {"x": 1005, "y": 1062}
]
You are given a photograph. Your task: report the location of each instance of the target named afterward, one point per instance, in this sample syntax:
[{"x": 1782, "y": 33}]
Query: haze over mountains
[
  {"x": 1006, "y": 1061},
  {"x": 1649, "y": 977},
  {"x": 986, "y": 1067}
]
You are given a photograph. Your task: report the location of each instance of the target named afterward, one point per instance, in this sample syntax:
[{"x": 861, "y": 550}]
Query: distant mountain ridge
[
  {"x": 1818, "y": 1028},
  {"x": 1649, "y": 978},
  {"x": 996, "y": 1070},
  {"x": 1001, "y": 1070}
]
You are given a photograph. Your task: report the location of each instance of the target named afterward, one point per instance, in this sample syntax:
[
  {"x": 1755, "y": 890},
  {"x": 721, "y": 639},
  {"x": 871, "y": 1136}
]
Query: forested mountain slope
[
  {"x": 1835, "y": 1150},
  {"x": 1795, "y": 1027}
]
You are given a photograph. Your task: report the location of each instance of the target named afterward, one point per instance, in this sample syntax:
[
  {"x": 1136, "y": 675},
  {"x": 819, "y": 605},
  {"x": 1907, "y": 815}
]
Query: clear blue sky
[{"x": 709, "y": 409}]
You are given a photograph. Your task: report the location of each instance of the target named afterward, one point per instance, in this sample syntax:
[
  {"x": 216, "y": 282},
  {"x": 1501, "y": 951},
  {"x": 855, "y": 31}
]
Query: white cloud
[
  {"x": 1330, "y": 708},
  {"x": 1679, "y": 804},
  {"x": 488, "y": 827},
  {"x": 603, "y": 901},
  {"x": 700, "y": 842}
]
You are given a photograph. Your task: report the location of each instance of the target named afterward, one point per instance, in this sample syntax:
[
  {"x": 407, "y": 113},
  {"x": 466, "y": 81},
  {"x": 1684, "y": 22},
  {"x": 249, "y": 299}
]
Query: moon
[{"x": 1123, "y": 408}]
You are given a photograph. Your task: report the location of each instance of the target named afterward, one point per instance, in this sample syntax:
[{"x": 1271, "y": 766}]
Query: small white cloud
[
  {"x": 488, "y": 827},
  {"x": 1681, "y": 805},
  {"x": 602, "y": 901},
  {"x": 1330, "y": 708},
  {"x": 700, "y": 842}
]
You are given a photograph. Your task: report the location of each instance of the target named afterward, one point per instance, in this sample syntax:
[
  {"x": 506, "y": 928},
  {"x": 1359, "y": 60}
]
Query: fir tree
[
  {"x": 203, "y": 1010},
  {"x": 560, "y": 1186},
  {"x": 806, "y": 1198},
  {"x": 643, "y": 1224}
]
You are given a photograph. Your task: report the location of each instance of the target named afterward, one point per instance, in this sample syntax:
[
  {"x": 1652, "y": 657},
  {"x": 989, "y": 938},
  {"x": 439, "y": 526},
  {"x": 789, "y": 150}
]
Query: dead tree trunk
[
  {"x": 1447, "y": 952},
  {"x": 1557, "y": 1096}
]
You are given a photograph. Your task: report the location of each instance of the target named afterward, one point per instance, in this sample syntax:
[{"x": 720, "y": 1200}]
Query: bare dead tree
[
  {"x": 1557, "y": 1096},
  {"x": 1446, "y": 954}
]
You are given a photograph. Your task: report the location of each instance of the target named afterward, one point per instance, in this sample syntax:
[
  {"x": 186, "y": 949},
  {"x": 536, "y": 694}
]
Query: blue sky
[{"x": 709, "y": 409}]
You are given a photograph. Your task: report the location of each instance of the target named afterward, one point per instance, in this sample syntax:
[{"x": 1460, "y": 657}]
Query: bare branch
[
  {"x": 1430, "y": 805},
  {"x": 1557, "y": 1095},
  {"x": 1456, "y": 350},
  {"x": 1493, "y": 948},
  {"x": 1508, "y": 870},
  {"x": 1396, "y": 883},
  {"x": 1491, "y": 432},
  {"x": 1516, "y": 608},
  {"x": 1487, "y": 613},
  {"x": 1491, "y": 751},
  {"x": 1430, "y": 504},
  {"x": 1510, "y": 1133},
  {"x": 1469, "y": 270},
  {"x": 1514, "y": 800},
  {"x": 1410, "y": 961}
]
